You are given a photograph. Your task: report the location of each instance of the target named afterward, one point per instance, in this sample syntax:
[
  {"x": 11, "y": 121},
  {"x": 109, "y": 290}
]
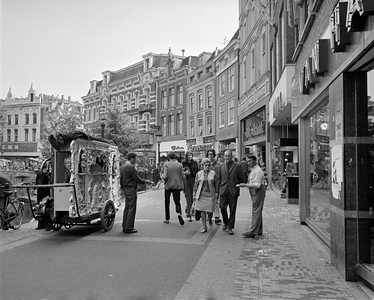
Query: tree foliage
[
  {"x": 121, "y": 131},
  {"x": 64, "y": 120}
]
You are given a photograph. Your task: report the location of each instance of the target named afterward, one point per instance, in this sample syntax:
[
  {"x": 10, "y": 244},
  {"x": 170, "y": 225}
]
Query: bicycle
[{"x": 11, "y": 214}]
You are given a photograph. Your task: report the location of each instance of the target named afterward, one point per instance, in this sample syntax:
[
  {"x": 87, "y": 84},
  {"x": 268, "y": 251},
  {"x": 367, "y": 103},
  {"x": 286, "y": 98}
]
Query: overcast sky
[{"x": 61, "y": 45}]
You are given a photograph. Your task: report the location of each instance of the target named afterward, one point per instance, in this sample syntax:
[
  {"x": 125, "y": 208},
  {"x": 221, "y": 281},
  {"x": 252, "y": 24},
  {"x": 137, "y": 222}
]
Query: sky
[{"x": 59, "y": 46}]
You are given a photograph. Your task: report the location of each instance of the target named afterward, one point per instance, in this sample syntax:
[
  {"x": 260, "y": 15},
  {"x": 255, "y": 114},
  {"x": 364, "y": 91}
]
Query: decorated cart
[{"x": 85, "y": 181}]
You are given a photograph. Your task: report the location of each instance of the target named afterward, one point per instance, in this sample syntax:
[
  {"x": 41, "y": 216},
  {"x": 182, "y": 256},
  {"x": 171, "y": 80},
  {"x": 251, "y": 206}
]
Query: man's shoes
[
  {"x": 218, "y": 221},
  {"x": 248, "y": 235},
  {"x": 130, "y": 231},
  {"x": 39, "y": 227},
  {"x": 224, "y": 227},
  {"x": 229, "y": 231},
  {"x": 181, "y": 221},
  {"x": 190, "y": 219},
  {"x": 166, "y": 221},
  {"x": 48, "y": 228}
]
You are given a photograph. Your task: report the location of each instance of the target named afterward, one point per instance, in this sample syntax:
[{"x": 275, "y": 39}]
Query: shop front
[
  {"x": 178, "y": 147},
  {"x": 199, "y": 146},
  {"x": 334, "y": 110}
]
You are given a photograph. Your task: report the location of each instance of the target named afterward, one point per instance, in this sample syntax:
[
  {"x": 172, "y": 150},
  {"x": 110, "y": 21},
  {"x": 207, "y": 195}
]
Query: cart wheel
[
  {"x": 107, "y": 215},
  {"x": 56, "y": 226}
]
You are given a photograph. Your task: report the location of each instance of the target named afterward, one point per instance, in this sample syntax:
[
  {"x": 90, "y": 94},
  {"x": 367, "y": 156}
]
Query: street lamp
[
  {"x": 158, "y": 140},
  {"x": 103, "y": 123}
]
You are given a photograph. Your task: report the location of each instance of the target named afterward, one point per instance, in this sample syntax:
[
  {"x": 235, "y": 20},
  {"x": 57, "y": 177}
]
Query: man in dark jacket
[
  {"x": 190, "y": 168},
  {"x": 129, "y": 182},
  {"x": 229, "y": 175},
  {"x": 43, "y": 178}
]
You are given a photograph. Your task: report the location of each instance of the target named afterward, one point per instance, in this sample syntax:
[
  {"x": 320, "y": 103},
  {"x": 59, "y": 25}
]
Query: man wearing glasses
[
  {"x": 215, "y": 163},
  {"x": 229, "y": 176}
]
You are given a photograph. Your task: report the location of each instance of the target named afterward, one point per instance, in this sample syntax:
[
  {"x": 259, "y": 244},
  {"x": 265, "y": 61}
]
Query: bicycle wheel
[
  {"x": 15, "y": 214},
  {"x": 2, "y": 221}
]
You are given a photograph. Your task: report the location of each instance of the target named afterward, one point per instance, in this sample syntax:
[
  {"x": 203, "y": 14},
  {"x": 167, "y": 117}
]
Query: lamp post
[
  {"x": 158, "y": 140},
  {"x": 103, "y": 123}
]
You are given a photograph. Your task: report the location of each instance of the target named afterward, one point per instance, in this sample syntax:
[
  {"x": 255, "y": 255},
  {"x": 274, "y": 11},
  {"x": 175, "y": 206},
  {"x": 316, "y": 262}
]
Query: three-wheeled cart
[{"x": 85, "y": 181}]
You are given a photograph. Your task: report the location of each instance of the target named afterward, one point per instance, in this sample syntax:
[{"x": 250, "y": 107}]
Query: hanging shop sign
[
  {"x": 348, "y": 17},
  {"x": 315, "y": 66},
  {"x": 356, "y": 10}
]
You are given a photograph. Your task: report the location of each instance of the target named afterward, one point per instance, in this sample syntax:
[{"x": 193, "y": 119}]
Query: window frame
[
  {"x": 221, "y": 115},
  {"x": 230, "y": 111}
]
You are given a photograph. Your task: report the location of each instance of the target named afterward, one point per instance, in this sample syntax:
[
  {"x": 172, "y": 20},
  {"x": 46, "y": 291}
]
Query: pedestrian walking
[
  {"x": 229, "y": 175},
  {"x": 257, "y": 190},
  {"x": 204, "y": 192},
  {"x": 190, "y": 168},
  {"x": 214, "y": 165},
  {"x": 43, "y": 177},
  {"x": 129, "y": 183},
  {"x": 173, "y": 177}
]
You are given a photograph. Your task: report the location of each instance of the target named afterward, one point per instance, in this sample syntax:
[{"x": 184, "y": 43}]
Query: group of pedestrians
[{"x": 211, "y": 189}]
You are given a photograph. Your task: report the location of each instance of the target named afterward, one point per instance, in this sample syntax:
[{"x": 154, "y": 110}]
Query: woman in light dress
[{"x": 204, "y": 192}]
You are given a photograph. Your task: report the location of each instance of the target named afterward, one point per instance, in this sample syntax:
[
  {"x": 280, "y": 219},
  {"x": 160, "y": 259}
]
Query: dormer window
[{"x": 147, "y": 64}]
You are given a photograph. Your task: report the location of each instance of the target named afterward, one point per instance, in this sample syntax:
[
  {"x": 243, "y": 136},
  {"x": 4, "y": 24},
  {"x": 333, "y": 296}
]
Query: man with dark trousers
[
  {"x": 129, "y": 182},
  {"x": 174, "y": 179},
  {"x": 257, "y": 190},
  {"x": 229, "y": 176}
]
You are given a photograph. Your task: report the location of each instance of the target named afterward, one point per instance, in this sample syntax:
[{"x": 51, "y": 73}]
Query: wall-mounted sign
[
  {"x": 255, "y": 125},
  {"x": 209, "y": 139},
  {"x": 223, "y": 147},
  {"x": 200, "y": 148},
  {"x": 355, "y": 12},
  {"x": 191, "y": 142},
  {"x": 348, "y": 17},
  {"x": 339, "y": 35},
  {"x": 19, "y": 147},
  {"x": 320, "y": 57},
  {"x": 176, "y": 148},
  {"x": 315, "y": 66}
]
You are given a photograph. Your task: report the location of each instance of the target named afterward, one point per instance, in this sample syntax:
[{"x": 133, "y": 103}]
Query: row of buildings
[
  {"x": 293, "y": 86},
  {"x": 22, "y": 126}
]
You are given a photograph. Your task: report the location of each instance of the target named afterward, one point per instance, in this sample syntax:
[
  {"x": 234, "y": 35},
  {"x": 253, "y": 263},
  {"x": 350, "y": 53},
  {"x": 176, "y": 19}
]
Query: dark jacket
[
  {"x": 42, "y": 178},
  {"x": 129, "y": 176},
  {"x": 194, "y": 168},
  {"x": 228, "y": 178}
]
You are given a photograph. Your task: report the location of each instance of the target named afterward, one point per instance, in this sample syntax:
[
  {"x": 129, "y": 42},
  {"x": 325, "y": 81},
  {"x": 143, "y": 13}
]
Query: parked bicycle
[{"x": 11, "y": 214}]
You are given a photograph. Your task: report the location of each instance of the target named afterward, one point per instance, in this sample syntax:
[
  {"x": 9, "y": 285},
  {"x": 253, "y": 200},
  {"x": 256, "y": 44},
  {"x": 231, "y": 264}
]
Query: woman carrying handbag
[{"x": 204, "y": 192}]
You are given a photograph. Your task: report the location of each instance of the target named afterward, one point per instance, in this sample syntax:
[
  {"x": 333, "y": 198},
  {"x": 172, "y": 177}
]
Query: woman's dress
[{"x": 205, "y": 201}]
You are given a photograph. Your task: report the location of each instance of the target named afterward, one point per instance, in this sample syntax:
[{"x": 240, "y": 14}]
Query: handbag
[{"x": 193, "y": 210}]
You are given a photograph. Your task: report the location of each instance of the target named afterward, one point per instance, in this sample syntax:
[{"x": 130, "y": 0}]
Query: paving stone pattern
[{"x": 284, "y": 263}]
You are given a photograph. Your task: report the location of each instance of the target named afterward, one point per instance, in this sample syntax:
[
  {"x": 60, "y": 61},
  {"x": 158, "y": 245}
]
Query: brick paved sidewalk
[{"x": 287, "y": 262}]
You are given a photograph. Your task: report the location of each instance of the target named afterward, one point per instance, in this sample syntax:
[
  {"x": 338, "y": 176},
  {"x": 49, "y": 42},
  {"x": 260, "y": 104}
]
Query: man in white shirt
[{"x": 257, "y": 190}]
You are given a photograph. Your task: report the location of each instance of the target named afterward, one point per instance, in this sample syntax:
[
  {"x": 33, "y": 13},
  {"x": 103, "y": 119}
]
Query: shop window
[{"x": 320, "y": 173}]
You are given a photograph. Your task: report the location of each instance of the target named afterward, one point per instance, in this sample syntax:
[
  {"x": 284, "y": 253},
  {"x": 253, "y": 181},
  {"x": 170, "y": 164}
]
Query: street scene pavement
[{"x": 170, "y": 261}]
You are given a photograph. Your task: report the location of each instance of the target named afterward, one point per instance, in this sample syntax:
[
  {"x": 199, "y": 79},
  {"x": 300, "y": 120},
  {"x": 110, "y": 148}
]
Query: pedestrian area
[{"x": 287, "y": 262}]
